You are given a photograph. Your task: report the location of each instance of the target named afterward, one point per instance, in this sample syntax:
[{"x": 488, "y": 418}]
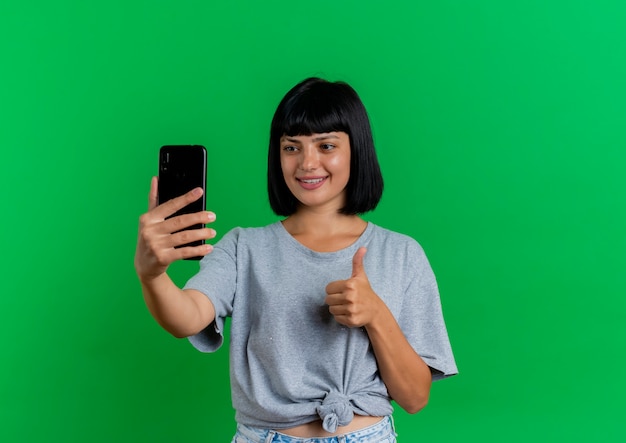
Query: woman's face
[{"x": 316, "y": 168}]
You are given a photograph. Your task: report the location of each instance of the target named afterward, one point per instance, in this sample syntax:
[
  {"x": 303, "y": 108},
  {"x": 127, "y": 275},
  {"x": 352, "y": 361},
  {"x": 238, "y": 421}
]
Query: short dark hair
[{"x": 318, "y": 106}]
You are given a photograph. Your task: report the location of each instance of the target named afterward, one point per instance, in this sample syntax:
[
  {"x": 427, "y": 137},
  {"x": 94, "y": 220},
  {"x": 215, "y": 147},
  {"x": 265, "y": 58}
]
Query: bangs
[{"x": 313, "y": 113}]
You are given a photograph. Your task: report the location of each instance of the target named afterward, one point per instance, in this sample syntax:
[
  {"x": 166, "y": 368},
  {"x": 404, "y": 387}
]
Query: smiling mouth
[{"x": 311, "y": 181}]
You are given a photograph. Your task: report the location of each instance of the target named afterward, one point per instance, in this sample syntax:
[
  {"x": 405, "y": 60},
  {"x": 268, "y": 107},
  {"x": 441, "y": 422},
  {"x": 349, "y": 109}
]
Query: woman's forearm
[
  {"x": 406, "y": 375},
  {"x": 180, "y": 312}
]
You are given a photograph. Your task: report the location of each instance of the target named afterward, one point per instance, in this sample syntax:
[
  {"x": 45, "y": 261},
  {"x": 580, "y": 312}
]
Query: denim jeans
[{"x": 381, "y": 432}]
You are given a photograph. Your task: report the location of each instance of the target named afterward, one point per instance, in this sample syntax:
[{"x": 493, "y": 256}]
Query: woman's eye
[
  {"x": 327, "y": 147},
  {"x": 289, "y": 148}
]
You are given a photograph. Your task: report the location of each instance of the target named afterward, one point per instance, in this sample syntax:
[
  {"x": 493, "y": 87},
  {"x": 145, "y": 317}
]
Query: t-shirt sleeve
[
  {"x": 217, "y": 279},
  {"x": 422, "y": 318}
]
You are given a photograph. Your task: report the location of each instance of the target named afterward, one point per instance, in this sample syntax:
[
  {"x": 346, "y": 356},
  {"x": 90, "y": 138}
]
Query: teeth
[{"x": 312, "y": 181}]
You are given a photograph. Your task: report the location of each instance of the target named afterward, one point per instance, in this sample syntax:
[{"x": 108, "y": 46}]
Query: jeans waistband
[{"x": 381, "y": 431}]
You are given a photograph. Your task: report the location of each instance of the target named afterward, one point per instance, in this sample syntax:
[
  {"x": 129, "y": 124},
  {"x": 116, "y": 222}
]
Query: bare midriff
[{"x": 314, "y": 428}]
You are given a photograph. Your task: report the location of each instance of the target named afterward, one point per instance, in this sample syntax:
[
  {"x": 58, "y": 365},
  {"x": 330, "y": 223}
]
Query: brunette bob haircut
[{"x": 316, "y": 106}]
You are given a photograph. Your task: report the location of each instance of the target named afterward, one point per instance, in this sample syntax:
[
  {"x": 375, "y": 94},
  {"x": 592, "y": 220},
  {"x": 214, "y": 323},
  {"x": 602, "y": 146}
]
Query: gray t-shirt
[{"x": 290, "y": 361}]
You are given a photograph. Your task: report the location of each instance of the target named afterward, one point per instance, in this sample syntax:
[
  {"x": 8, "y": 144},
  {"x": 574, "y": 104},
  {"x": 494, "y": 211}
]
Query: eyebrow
[{"x": 316, "y": 139}]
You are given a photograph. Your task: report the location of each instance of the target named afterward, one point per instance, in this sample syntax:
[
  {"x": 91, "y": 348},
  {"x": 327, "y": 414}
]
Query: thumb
[
  {"x": 154, "y": 193},
  {"x": 357, "y": 262}
]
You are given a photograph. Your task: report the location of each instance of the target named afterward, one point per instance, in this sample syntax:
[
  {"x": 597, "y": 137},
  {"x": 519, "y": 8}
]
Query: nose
[{"x": 309, "y": 160}]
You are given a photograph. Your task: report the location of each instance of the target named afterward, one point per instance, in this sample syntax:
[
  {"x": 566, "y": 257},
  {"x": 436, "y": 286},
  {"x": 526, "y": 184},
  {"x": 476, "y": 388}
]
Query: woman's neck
[{"x": 324, "y": 231}]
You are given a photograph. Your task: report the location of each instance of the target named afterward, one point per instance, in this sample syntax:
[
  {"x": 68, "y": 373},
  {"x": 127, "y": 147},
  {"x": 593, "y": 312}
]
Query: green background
[{"x": 501, "y": 130}]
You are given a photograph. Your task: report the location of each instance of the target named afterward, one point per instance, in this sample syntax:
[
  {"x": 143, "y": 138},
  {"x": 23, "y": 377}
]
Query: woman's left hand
[{"x": 352, "y": 302}]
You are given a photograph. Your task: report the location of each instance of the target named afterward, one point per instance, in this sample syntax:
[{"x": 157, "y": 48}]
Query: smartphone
[{"x": 181, "y": 169}]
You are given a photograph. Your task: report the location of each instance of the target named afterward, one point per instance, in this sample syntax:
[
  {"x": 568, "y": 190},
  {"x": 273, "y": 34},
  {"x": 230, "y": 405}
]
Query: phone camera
[{"x": 165, "y": 161}]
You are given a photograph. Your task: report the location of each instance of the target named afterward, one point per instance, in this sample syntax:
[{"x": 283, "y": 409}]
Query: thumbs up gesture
[{"x": 352, "y": 302}]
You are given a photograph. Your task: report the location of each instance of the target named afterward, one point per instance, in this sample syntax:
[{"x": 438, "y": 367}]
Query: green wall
[{"x": 501, "y": 132}]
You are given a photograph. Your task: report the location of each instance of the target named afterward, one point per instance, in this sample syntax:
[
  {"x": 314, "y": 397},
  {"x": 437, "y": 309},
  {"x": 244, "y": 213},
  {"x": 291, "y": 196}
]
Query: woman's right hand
[{"x": 159, "y": 236}]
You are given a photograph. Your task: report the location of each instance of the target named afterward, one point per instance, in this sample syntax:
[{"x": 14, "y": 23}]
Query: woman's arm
[
  {"x": 353, "y": 303},
  {"x": 181, "y": 313},
  {"x": 406, "y": 375}
]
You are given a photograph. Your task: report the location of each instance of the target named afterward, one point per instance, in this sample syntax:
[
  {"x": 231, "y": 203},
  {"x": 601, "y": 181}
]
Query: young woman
[{"x": 332, "y": 317}]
